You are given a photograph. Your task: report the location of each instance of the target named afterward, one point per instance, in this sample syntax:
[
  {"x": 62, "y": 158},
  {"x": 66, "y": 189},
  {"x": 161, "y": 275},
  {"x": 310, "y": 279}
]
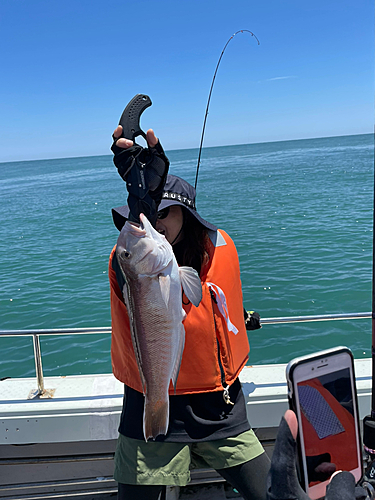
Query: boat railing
[{"x": 36, "y": 334}]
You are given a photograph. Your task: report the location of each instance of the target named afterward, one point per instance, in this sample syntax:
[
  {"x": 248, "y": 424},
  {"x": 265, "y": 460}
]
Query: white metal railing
[
  {"x": 36, "y": 334},
  {"x": 321, "y": 317}
]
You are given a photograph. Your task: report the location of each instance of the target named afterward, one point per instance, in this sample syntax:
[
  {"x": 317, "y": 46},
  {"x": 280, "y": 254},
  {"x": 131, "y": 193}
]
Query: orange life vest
[{"x": 213, "y": 355}]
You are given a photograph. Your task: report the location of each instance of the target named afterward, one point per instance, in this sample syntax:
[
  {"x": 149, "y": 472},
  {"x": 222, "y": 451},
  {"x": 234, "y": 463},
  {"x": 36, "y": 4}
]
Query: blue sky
[{"x": 68, "y": 68}]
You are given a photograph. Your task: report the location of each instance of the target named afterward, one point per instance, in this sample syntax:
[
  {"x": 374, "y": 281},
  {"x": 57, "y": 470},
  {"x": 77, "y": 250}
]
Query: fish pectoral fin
[
  {"x": 191, "y": 284},
  {"x": 165, "y": 287}
]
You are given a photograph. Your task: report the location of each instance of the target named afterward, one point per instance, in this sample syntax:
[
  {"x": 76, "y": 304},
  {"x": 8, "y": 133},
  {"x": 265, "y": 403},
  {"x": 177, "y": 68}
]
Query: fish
[{"x": 153, "y": 298}]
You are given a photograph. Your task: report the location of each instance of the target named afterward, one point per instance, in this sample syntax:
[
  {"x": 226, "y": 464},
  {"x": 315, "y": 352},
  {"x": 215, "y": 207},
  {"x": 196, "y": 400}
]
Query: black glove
[
  {"x": 145, "y": 171},
  {"x": 342, "y": 487},
  {"x": 282, "y": 480},
  {"x": 252, "y": 320}
]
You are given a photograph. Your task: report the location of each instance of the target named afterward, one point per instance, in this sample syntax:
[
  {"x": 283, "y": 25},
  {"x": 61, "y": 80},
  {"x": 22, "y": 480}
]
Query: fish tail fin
[{"x": 155, "y": 418}]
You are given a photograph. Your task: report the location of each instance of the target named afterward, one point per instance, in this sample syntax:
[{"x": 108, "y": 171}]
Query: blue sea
[{"x": 300, "y": 213}]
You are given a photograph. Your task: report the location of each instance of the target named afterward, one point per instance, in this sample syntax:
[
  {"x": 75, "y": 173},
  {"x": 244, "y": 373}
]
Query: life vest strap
[{"x": 222, "y": 305}]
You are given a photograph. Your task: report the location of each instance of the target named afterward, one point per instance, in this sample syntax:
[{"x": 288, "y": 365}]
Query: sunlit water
[{"x": 300, "y": 213}]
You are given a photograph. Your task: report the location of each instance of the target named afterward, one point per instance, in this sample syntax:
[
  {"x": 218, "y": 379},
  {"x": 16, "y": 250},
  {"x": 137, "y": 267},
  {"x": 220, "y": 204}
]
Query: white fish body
[{"x": 153, "y": 298}]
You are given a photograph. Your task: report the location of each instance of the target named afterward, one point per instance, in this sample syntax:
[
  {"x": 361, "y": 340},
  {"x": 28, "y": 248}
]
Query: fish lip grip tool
[
  {"x": 143, "y": 169},
  {"x": 130, "y": 118}
]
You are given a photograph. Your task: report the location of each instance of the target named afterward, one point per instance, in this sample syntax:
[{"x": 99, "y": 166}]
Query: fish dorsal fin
[
  {"x": 165, "y": 287},
  {"x": 191, "y": 284}
]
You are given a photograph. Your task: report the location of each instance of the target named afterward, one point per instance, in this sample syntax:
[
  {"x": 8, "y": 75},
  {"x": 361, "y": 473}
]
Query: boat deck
[{"x": 62, "y": 447}]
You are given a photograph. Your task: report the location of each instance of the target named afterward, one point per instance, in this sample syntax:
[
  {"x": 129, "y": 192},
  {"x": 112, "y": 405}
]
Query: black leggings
[{"x": 248, "y": 478}]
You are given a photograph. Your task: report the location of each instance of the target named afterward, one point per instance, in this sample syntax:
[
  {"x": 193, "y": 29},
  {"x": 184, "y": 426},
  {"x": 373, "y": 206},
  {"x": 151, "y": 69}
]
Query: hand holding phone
[
  {"x": 322, "y": 393},
  {"x": 282, "y": 481}
]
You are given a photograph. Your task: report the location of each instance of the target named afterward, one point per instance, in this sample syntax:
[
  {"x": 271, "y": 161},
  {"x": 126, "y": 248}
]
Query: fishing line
[{"x": 209, "y": 96}]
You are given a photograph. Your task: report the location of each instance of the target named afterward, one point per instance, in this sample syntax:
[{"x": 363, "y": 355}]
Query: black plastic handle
[{"x": 131, "y": 116}]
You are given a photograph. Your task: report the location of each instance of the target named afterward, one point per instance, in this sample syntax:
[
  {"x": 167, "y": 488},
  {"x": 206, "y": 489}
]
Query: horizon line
[{"x": 189, "y": 149}]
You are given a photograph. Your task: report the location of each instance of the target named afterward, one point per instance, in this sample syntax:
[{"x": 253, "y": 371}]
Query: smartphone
[{"x": 322, "y": 393}]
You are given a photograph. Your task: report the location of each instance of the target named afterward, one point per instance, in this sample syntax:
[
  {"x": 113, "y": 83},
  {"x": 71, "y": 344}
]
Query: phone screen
[{"x": 329, "y": 436}]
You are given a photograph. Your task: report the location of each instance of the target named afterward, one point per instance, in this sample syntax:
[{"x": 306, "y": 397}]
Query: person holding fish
[{"x": 179, "y": 337}]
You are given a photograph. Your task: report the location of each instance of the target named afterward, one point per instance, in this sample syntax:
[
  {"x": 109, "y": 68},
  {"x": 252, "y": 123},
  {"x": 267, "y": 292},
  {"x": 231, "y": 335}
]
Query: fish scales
[
  {"x": 153, "y": 297},
  {"x": 152, "y": 317}
]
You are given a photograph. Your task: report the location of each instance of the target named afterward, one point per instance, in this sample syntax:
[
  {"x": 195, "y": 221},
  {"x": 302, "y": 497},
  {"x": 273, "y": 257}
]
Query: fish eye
[{"x": 125, "y": 254}]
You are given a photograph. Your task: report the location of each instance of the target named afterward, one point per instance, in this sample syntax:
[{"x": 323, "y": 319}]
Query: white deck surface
[{"x": 88, "y": 408}]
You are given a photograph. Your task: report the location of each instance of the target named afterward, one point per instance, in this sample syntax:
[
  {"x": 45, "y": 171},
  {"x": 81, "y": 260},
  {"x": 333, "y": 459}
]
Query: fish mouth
[
  {"x": 146, "y": 225},
  {"x": 151, "y": 231},
  {"x": 136, "y": 229}
]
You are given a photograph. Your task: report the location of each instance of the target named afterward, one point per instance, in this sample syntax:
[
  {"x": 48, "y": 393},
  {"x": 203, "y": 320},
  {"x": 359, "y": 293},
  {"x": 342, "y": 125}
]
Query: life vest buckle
[{"x": 226, "y": 396}]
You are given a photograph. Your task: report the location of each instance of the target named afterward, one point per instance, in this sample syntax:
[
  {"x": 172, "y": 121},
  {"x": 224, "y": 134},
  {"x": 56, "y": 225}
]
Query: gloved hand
[
  {"x": 252, "y": 320},
  {"x": 144, "y": 170},
  {"x": 282, "y": 481},
  {"x": 342, "y": 487}
]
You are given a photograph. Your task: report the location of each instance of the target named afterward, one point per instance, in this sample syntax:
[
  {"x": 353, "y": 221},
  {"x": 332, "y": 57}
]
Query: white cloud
[{"x": 280, "y": 78}]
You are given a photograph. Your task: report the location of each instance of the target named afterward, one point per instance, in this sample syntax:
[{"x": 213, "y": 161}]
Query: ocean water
[{"x": 300, "y": 213}]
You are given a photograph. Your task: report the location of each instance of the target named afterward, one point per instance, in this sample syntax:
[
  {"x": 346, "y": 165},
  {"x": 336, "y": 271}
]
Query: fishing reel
[
  {"x": 368, "y": 480},
  {"x": 369, "y": 488}
]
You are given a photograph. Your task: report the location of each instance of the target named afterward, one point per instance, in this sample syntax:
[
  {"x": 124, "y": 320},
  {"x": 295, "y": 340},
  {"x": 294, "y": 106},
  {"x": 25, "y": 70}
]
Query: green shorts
[{"x": 154, "y": 463}]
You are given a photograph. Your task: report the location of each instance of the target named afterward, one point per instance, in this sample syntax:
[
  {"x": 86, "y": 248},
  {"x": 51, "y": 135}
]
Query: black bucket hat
[{"x": 176, "y": 192}]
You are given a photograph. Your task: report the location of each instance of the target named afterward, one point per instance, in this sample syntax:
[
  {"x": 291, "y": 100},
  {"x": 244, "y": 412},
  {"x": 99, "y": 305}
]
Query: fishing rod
[
  {"x": 369, "y": 420},
  {"x": 209, "y": 96}
]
